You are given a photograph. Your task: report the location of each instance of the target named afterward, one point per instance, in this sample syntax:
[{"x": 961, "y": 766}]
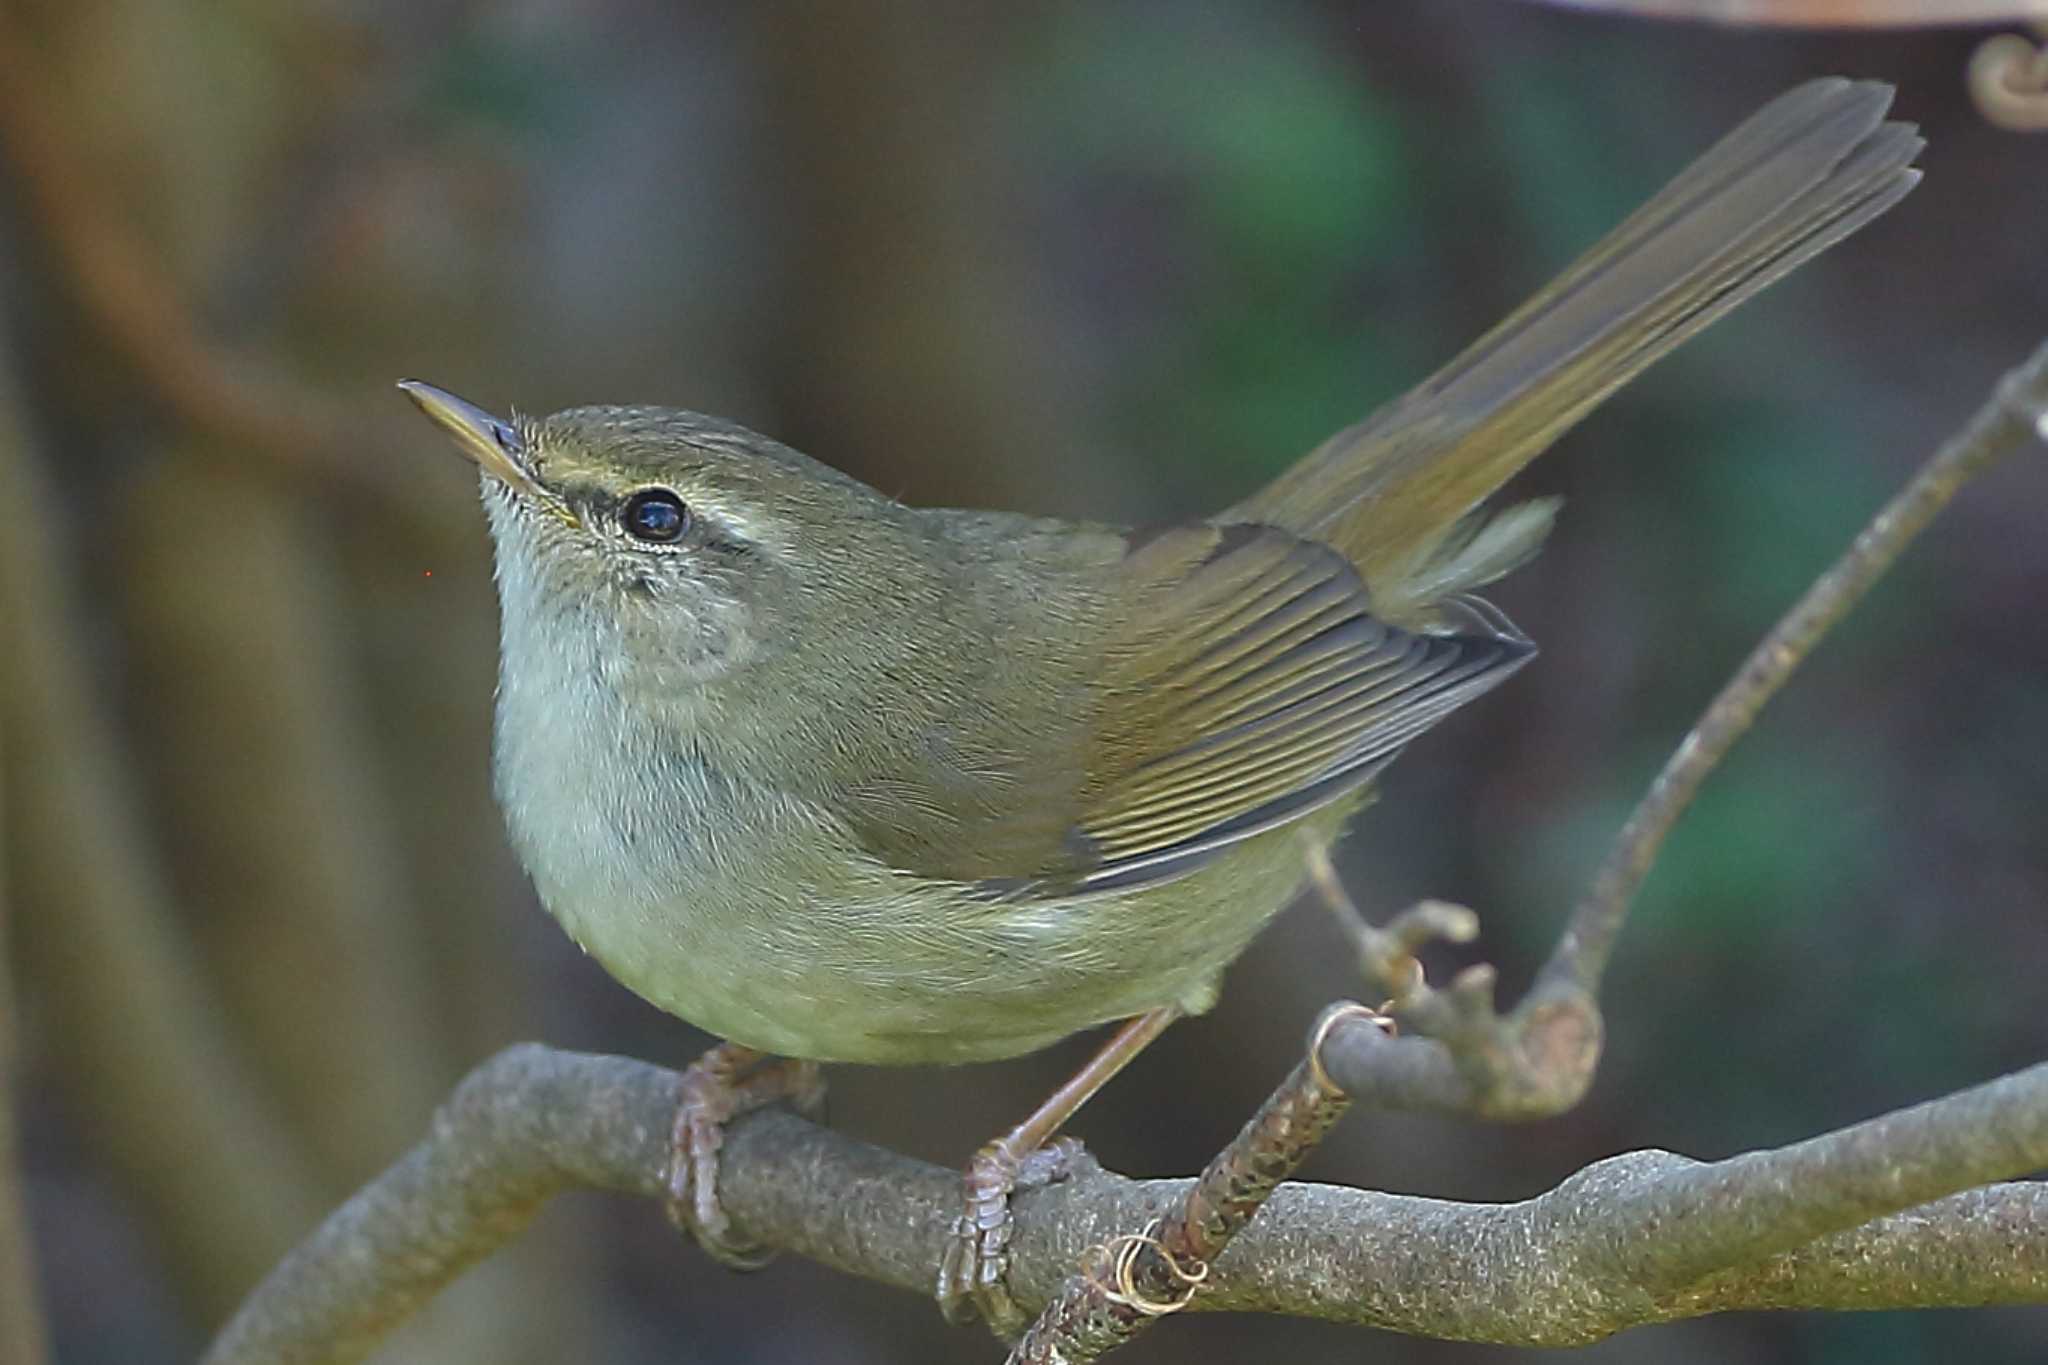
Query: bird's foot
[
  {"x": 720, "y": 1086},
  {"x": 977, "y": 1260}
]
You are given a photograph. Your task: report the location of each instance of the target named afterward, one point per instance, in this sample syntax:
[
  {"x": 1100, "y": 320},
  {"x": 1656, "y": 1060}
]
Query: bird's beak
[{"x": 494, "y": 444}]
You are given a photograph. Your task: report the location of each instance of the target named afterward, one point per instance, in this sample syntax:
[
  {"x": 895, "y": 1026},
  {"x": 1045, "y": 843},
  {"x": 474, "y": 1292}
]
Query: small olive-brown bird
[{"x": 839, "y": 779}]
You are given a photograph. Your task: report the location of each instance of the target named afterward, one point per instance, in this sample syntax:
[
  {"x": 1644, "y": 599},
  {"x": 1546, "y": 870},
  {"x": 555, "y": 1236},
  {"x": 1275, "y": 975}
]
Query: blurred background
[{"x": 1121, "y": 260}]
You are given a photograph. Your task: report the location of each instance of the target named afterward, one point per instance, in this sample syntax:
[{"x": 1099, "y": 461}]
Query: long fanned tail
[{"x": 1802, "y": 173}]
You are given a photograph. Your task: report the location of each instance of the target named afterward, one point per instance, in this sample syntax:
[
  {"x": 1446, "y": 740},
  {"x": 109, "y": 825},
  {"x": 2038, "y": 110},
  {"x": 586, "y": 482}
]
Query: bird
[{"x": 840, "y": 779}]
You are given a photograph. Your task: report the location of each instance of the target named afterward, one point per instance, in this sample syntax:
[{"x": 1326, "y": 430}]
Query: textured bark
[{"x": 1877, "y": 1215}]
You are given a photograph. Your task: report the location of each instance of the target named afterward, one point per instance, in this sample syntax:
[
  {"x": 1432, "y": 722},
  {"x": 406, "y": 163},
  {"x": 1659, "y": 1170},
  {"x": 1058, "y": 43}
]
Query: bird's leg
[
  {"x": 724, "y": 1083},
  {"x": 1024, "y": 1158}
]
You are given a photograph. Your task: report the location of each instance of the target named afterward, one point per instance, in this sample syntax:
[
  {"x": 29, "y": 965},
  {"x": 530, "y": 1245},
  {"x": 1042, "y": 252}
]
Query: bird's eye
[{"x": 655, "y": 514}]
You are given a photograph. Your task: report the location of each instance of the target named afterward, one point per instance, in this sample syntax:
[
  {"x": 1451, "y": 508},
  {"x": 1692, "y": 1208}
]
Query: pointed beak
[{"x": 494, "y": 444}]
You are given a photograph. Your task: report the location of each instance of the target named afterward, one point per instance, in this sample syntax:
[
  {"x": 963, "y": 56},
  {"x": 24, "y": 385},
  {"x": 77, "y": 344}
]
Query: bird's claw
[
  {"x": 720, "y": 1086},
  {"x": 973, "y": 1273}
]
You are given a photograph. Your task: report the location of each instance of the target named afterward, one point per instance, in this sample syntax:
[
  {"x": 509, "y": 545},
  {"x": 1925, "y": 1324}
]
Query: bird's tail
[{"x": 1396, "y": 493}]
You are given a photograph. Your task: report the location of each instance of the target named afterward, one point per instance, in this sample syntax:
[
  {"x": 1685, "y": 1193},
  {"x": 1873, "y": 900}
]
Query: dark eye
[{"x": 655, "y": 514}]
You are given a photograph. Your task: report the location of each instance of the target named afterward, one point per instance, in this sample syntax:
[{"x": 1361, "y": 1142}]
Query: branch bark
[
  {"x": 1141, "y": 1278},
  {"x": 1842, "y": 1221}
]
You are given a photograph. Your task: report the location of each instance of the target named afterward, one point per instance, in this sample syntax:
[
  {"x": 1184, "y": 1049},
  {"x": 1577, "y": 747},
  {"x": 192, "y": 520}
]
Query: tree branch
[
  {"x": 1646, "y": 1237},
  {"x": 1819, "y": 13},
  {"x": 1140, "y": 1278},
  {"x": 2007, "y": 421}
]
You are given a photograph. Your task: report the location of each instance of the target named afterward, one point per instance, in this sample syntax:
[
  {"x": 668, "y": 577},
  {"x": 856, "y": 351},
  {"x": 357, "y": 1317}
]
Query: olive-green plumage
[{"x": 843, "y": 779}]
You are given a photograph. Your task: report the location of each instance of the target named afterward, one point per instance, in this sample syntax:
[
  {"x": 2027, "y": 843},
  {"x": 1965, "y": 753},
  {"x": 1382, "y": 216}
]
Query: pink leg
[{"x": 1025, "y": 1158}]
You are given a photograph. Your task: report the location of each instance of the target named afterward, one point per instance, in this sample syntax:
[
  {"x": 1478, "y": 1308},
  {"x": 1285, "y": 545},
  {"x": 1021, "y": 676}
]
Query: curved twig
[{"x": 2008, "y": 80}]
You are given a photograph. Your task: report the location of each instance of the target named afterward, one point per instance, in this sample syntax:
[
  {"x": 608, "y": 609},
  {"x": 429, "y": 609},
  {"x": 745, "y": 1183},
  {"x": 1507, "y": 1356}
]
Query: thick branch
[{"x": 1587, "y": 1259}]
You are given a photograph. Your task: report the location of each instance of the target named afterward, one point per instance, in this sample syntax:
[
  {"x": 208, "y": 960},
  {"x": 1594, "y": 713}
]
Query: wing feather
[
  {"x": 1235, "y": 681},
  {"x": 1248, "y": 685}
]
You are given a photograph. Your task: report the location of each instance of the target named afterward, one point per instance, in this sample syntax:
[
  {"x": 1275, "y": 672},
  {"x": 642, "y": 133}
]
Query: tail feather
[{"x": 1802, "y": 173}]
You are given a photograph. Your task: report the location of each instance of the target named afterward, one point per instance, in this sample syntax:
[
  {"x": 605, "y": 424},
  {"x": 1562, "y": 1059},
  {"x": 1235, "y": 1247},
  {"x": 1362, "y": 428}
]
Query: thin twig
[
  {"x": 1597, "y": 1254},
  {"x": 1139, "y": 1278},
  {"x": 1387, "y": 956},
  {"x": 2007, "y": 421},
  {"x": 1464, "y": 1058},
  {"x": 2008, "y": 81}
]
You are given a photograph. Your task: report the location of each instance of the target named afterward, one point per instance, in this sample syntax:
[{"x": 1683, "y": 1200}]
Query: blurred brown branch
[
  {"x": 248, "y": 705},
  {"x": 303, "y": 1039},
  {"x": 23, "y": 1340},
  {"x": 901, "y": 191},
  {"x": 145, "y": 1055},
  {"x": 1842, "y": 1221},
  {"x": 130, "y": 297},
  {"x": 1824, "y": 13}
]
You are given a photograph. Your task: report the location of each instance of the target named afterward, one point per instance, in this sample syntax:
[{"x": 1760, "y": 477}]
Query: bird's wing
[{"x": 1240, "y": 684}]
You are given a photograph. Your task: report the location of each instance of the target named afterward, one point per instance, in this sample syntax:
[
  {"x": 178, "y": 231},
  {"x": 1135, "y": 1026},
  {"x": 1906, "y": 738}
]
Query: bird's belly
[
  {"x": 755, "y": 918},
  {"x": 922, "y": 974}
]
